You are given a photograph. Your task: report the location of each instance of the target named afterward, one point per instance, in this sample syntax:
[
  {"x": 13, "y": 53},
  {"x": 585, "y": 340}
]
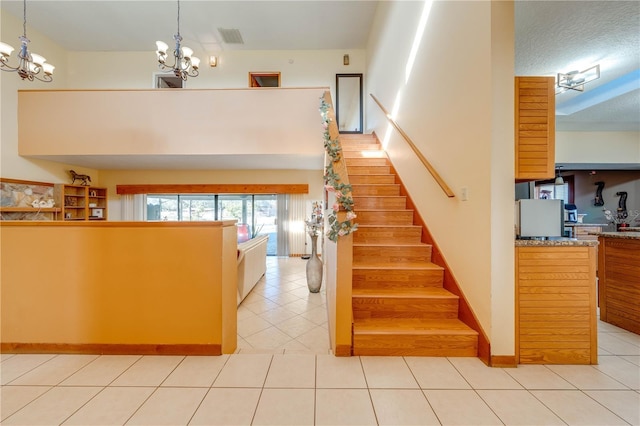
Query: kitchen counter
[
  {"x": 627, "y": 235},
  {"x": 619, "y": 279},
  {"x": 584, "y": 224},
  {"x": 559, "y": 242}
]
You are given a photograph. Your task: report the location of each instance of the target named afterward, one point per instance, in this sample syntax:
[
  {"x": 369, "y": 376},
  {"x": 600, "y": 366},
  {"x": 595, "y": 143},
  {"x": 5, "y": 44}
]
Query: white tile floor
[
  {"x": 280, "y": 315},
  {"x": 296, "y": 381}
]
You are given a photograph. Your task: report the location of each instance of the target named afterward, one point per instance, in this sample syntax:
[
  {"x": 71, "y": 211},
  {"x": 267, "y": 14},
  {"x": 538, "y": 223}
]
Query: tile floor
[
  {"x": 292, "y": 379},
  {"x": 280, "y": 315}
]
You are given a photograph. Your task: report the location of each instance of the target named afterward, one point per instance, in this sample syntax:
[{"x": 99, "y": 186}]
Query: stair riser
[
  {"x": 390, "y": 217},
  {"x": 360, "y": 146},
  {"x": 405, "y": 278},
  {"x": 369, "y": 255},
  {"x": 358, "y": 137},
  {"x": 366, "y": 162},
  {"x": 361, "y": 190},
  {"x": 426, "y": 308},
  {"x": 372, "y": 179},
  {"x": 363, "y": 153},
  {"x": 397, "y": 235},
  {"x": 414, "y": 345},
  {"x": 369, "y": 170},
  {"x": 382, "y": 203}
]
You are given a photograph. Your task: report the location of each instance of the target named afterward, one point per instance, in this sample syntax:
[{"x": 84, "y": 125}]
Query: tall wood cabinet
[
  {"x": 81, "y": 202},
  {"x": 535, "y": 128}
]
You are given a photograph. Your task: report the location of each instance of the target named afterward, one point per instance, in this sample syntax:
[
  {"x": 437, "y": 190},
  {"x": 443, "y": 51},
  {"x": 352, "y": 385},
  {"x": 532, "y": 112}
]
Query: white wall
[
  {"x": 102, "y": 70},
  {"x": 598, "y": 147},
  {"x": 456, "y": 103},
  {"x": 11, "y": 164},
  {"x": 308, "y": 68}
]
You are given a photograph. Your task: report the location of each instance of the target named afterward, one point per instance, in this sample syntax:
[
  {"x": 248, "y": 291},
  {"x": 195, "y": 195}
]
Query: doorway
[{"x": 349, "y": 103}]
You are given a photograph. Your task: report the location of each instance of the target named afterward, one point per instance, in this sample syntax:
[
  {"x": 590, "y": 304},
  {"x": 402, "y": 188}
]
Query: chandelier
[
  {"x": 30, "y": 65},
  {"x": 185, "y": 64}
]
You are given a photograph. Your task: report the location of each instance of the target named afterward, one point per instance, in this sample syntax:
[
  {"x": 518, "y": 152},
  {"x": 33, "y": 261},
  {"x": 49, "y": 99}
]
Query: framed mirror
[{"x": 349, "y": 103}]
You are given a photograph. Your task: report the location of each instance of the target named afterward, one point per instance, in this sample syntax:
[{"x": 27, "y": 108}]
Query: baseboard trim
[
  {"x": 504, "y": 361},
  {"x": 110, "y": 349},
  {"x": 343, "y": 350}
]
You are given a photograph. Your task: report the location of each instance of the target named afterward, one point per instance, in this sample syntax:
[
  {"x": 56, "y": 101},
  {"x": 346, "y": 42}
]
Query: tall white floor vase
[{"x": 314, "y": 268}]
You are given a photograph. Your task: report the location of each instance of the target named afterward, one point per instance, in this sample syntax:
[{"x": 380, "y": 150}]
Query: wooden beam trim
[
  {"x": 111, "y": 349},
  {"x": 213, "y": 189}
]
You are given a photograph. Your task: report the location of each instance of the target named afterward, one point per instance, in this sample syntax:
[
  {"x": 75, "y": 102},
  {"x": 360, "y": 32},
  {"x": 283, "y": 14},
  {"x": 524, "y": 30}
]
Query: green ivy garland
[{"x": 332, "y": 183}]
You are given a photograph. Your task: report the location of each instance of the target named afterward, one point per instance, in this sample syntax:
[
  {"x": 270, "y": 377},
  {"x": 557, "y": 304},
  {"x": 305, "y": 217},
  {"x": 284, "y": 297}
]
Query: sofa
[{"x": 252, "y": 264}]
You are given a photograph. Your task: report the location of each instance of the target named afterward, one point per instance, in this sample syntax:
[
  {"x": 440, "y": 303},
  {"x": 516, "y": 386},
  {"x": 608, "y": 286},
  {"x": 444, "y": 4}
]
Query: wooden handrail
[{"x": 422, "y": 158}]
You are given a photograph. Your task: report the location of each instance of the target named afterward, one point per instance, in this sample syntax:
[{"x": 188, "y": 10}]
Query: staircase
[{"x": 399, "y": 304}]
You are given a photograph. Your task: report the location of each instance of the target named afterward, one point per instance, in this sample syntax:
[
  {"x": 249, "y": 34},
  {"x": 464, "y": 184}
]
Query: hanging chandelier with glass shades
[
  {"x": 185, "y": 64},
  {"x": 31, "y": 66}
]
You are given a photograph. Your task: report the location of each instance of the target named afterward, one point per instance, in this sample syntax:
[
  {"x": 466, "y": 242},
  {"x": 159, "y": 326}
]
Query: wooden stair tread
[
  {"x": 397, "y": 265},
  {"x": 391, "y": 243},
  {"x": 409, "y": 293},
  {"x": 411, "y": 326},
  {"x": 391, "y": 226},
  {"x": 382, "y": 210}
]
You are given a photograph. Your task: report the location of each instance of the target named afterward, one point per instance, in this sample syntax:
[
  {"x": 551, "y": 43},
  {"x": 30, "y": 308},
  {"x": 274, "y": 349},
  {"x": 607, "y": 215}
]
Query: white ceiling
[{"x": 551, "y": 37}]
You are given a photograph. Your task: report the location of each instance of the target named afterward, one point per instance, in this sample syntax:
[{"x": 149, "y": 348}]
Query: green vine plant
[{"x": 333, "y": 184}]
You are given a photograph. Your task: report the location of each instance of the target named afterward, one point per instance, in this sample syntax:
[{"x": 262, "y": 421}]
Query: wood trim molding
[
  {"x": 213, "y": 189},
  {"x": 111, "y": 349},
  {"x": 503, "y": 361},
  {"x": 25, "y": 182},
  {"x": 343, "y": 350}
]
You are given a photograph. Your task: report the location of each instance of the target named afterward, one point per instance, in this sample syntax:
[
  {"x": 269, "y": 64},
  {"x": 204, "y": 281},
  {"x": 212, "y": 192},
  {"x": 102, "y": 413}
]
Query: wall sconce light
[
  {"x": 213, "y": 61},
  {"x": 345, "y": 60},
  {"x": 575, "y": 80}
]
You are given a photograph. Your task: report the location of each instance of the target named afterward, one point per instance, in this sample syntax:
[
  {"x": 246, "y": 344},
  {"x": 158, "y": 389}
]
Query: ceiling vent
[{"x": 231, "y": 36}]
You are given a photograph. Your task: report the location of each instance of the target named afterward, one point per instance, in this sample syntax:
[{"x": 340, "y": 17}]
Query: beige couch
[{"x": 252, "y": 264}]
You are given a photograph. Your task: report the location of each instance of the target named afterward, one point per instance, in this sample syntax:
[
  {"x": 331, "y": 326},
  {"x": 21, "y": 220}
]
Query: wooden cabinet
[
  {"x": 82, "y": 202},
  {"x": 556, "y": 317},
  {"x": 535, "y": 128},
  {"x": 619, "y": 280}
]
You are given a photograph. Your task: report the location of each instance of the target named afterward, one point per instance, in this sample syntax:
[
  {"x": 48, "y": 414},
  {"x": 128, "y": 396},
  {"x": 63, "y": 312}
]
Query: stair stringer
[{"x": 465, "y": 311}]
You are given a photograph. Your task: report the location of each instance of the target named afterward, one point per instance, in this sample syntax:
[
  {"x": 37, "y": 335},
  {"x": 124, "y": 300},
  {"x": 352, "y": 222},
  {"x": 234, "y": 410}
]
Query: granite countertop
[
  {"x": 584, "y": 224},
  {"x": 558, "y": 242},
  {"x": 627, "y": 235}
]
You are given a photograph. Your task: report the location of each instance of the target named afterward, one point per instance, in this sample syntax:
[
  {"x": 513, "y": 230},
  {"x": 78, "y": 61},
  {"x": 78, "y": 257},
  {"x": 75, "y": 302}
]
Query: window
[
  {"x": 547, "y": 189},
  {"x": 256, "y": 214}
]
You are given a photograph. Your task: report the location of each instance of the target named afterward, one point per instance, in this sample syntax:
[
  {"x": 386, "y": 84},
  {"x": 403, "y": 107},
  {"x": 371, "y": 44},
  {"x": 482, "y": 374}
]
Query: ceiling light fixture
[
  {"x": 575, "y": 80},
  {"x": 185, "y": 64},
  {"x": 30, "y": 65}
]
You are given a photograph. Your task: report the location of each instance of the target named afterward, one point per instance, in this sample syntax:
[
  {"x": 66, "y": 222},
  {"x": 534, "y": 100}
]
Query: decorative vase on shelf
[{"x": 314, "y": 268}]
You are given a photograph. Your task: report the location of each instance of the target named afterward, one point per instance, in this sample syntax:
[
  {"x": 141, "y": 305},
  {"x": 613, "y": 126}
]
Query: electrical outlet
[{"x": 464, "y": 193}]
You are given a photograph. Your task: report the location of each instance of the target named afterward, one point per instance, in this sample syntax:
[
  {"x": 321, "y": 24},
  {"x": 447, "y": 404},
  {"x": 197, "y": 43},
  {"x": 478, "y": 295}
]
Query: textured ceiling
[{"x": 561, "y": 36}]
